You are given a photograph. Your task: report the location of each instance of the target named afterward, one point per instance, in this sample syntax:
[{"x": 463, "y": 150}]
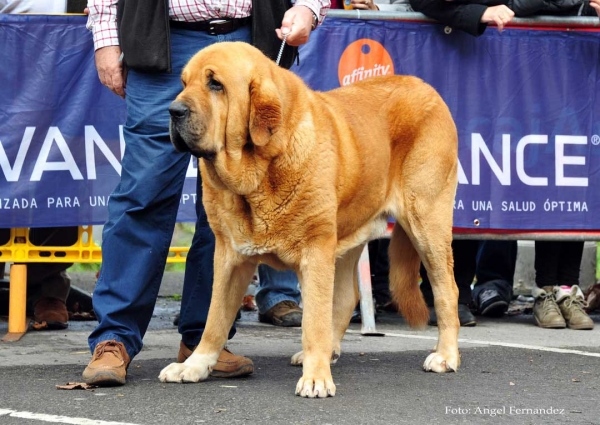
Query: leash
[{"x": 281, "y": 49}]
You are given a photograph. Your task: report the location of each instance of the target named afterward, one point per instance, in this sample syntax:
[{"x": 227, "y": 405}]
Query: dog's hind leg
[
  {"x": 345, "y": 298},
  {"x": 232, "y": 275},
  {"x": 431, "y": 236}
]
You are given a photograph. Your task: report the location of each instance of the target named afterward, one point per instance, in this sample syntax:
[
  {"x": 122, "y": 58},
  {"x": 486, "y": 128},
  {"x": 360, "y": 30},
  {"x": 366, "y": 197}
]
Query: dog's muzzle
[
  {"x": 182, "y": 138},
  {"x": 179, "y": 114}
]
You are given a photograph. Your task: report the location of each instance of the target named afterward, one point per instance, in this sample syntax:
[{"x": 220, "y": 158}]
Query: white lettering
[
  {"x": 562, "y": 160},
  {"x": 478, "y": 145},
  {"x": 520, "y": 160},
  {"x": 92, "y": 138},
  {"x": 42, "y": 164},
  {"x": 12, "y": 173}
]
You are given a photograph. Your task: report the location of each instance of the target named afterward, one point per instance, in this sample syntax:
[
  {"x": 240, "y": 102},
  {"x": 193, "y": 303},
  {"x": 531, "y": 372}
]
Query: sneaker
[
  {"x": 286, "y": 313},
  {"x": 108, "y": 366},
  {"x": 491, "y": 304},
  {"x": 545, "y": 310},
  {"x": 572, "y": 305},
  {"x": 228, "y": 365},
  {"x": 465, "y": 317},
  {"x": 50, "y": 313}
]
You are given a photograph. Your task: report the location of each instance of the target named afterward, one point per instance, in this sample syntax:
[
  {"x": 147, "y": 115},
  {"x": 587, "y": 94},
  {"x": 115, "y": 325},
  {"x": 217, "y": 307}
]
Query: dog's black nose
[{"x": 178, "y": 110}]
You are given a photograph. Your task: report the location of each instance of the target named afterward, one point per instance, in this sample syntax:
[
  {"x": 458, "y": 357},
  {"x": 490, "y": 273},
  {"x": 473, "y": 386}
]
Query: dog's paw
[
  {"x": 298, "y": 358},
  {"x": 315, "y": 387},
  {"x": 436, "y": 362},
  {"x": 180, "y": 372}
]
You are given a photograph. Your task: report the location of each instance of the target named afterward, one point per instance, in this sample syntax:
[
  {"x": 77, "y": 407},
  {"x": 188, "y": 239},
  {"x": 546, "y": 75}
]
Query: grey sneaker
[
  {"x": 545, "y": 310},
  {"x": 572, "y": 303}
]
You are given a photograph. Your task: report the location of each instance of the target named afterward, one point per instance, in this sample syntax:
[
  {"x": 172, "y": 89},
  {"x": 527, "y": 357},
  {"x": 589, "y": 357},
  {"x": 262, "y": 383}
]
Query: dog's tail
[{"x": 404, "y": 279}]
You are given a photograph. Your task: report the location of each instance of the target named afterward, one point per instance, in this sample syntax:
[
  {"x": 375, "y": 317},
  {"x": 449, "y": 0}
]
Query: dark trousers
[
  {"x": 557, "y": 263},
  {"x": 492, "y": 263},
  {"x": 380, "y": 269}
]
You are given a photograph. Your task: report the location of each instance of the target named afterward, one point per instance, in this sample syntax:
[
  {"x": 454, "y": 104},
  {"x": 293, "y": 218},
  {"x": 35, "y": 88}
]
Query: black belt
[{"x": 214, "y": 26}]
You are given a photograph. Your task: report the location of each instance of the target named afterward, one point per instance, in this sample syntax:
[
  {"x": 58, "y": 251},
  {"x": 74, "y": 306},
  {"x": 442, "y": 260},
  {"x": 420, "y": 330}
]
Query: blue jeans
[
  {"x": 275, "y": 287},
  {"x": 142, "y": 211}
]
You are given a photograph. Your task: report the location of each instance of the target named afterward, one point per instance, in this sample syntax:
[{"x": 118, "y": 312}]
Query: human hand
[
  {"x": 297, "y": 24},
  {"x": 499, "y": 15},
  {"x": 110, "y": 69},
  {"x": 596, "y": 5},
  {"x": 364, "y": 5}
]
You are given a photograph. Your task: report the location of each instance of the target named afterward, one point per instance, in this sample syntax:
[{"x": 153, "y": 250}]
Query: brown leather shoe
[
  {"x": 53, "y": 312},
  {"x": 286, "y": 313},
  {"x": 228, "y": 365},
  {"x": 108, "y": 366}
]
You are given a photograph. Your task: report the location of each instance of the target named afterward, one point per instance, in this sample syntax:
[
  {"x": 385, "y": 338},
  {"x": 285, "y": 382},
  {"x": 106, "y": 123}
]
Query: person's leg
[
  {"x": 137, "y": 235},
  {"x": 380, "y": 271},
  {"x": 278, "y": 297},
  {"x": 546, "y": 312},
  {"x": 547, "y": 263},
  {"x": 569, "y": 263},
  {"x": 496, "y": 262},
  {"x": 48, "y": 284},
  {"x": 141, "y": 214},
  {"x": 49, "y": 280}
]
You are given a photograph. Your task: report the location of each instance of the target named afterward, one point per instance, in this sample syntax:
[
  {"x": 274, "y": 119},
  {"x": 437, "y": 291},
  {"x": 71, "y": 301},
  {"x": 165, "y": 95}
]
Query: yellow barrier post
[
  {"x": 22, "y": 252},
  {"x": 17, "y": 320}
]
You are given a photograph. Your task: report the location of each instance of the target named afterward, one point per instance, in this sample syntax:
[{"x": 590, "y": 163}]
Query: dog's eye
[{"x": 214, "y": 84}]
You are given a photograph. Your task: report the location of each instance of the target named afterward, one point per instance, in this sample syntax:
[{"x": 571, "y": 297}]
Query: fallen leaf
[
  {"x": 76, "y": 386},
  {"x": 575, "y": 380}
]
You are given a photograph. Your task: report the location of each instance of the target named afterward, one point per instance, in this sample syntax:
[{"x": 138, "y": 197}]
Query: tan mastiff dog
[{"x": 301, "y": 180}]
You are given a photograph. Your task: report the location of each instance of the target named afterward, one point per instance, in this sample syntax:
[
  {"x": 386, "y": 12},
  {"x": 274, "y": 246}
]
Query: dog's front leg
[
  {"x": 232, "y": 276},
  {"x": 316, "y": 277}
]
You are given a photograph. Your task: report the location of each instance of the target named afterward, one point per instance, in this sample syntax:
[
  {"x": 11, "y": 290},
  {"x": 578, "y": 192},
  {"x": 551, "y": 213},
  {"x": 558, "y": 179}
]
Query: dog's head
[{"x": 229, "y": 102}]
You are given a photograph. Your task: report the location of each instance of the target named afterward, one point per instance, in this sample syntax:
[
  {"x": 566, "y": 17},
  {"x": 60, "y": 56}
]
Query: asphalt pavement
[{"x": 511, "y": 372}]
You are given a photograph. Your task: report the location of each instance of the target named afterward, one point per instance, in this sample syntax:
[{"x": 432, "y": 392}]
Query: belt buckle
[{"x": 215, "y": 25}]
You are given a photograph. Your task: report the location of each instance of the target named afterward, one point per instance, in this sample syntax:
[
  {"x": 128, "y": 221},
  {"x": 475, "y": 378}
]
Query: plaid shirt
[{"x": 102, "y": 20}]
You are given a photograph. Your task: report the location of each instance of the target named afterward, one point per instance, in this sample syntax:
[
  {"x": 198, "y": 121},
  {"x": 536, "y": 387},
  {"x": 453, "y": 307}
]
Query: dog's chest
[{"x": 248, "y": 248}]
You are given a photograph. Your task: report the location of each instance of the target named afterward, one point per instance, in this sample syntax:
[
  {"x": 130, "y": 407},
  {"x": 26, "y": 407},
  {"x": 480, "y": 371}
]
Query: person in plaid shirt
[{"x": 143, "y": 207}]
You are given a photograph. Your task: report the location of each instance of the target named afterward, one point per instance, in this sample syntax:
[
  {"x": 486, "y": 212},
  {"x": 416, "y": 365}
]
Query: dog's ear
[{"x": 265, "y": 110}]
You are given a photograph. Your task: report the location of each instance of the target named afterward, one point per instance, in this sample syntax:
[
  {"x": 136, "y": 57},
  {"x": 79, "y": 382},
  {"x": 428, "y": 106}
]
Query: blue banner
[{"x": 526, "y": 104}]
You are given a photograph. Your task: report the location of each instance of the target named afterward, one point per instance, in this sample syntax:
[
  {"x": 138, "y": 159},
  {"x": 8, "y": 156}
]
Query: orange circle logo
[{"x": 363, "y": 59}]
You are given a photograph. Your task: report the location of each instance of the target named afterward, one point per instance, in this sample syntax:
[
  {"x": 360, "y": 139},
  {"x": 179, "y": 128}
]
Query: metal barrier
[{"x": 561, "y": 22}]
